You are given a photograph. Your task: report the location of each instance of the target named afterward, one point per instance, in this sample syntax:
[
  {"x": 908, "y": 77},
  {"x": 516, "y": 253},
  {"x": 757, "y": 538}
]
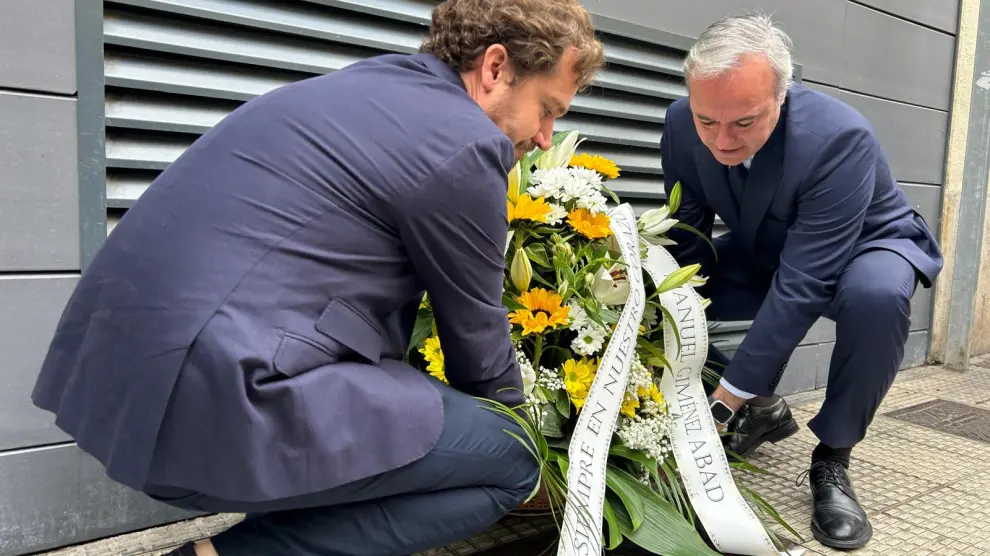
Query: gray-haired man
[{"x": 818, "y": 227}]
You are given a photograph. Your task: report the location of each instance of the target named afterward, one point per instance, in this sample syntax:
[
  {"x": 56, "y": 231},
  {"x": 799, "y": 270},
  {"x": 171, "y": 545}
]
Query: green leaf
[
  {"x": 673, "y": 327},
  {"x": 422, "y": 329},
  {"x": 654, "y": 351},
  {"x": 552, "y": 423},
  {"x": 563, "y": 403},
  {"x": 509, "y": 302},
  {"x": 614, "y": 529},
  {"x": 538, "y": 254},
  {"x": 678, "y": 278},
  {"x": 675, "y": 198},
  {"x": 625, "y": 452},
  {"x": 664, "y": 530},
  {"x": 677, "y": 489},
  {"x": 544, "y": 281},
  {"x": 611, "y": 194},
  {"x": 620, "y": 483},
  {"x": 683, "y": 226}
]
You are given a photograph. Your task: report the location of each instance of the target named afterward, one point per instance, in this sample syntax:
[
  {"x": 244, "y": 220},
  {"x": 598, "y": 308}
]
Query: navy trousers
[
  {"x": 871, "y": 310},
  {"x": 473, "y": 477}
]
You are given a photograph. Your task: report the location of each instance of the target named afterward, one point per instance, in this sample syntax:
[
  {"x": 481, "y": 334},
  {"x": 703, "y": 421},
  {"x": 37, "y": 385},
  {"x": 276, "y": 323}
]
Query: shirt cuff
[{"x": 735, "y": 391}]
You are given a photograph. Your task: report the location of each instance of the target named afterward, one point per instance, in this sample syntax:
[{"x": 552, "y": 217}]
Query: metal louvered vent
[{"x": 174, "y": 68}]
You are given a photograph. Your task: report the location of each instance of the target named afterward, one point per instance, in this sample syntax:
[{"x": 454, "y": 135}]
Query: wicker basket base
[{"x": 539, "y": 504}]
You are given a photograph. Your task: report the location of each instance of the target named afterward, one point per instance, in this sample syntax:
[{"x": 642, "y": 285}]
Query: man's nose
[
  {"x": 542, "y": 140},
  {"x": 723, "y": 140}
]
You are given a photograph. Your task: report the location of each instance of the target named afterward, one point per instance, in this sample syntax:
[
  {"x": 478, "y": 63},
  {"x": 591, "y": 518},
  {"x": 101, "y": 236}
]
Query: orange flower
[
  {"x": 591, "y": 226},
  {"x": 542, "y": 309},
  {"x": 528, "y": 208},
  {"x": 600, "y": 164}
]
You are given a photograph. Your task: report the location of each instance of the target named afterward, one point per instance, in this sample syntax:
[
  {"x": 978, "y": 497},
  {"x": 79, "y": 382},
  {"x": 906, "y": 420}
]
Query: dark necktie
[{"x": 737, "y": 180}]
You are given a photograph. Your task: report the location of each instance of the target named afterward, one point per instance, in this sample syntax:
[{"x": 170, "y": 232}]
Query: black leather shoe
[
  {"x": 753, "y": 426},
  {"x": 838, "y": 521}
]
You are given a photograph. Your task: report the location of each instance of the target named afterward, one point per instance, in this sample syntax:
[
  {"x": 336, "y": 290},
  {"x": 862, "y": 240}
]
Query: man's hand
[{"x": 728, "y": 398}]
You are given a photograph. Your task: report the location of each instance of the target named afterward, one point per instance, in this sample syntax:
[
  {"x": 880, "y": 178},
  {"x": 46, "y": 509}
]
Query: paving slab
[{"x": 922, "y": 473}]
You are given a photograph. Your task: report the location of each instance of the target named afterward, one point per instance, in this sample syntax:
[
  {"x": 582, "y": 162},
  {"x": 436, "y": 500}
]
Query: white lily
[
  {"x": 560, "y": 154},
  {"x": 656, "y": 222},
  {"x": 697, "y": 281},
  {"x": 608, "y": 290},
  {"x": 528, "y": 379}
]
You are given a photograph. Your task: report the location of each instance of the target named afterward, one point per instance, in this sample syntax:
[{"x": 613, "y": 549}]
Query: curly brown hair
[{"x": 534, "y": 32}]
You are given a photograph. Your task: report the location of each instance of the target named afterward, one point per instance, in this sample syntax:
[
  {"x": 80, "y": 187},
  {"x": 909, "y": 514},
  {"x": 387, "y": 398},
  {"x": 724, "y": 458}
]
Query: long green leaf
[
  {"x": 614, "y": 529},
  {"x": 538, "y": 254},
  {"x": 677, "y": 487},
  {"x": 693, "y": 230},
  {"x": 664, "y": 531},
  {"x": 673, "y": 327},
  {"x": 654, "y": 351},
  {"x": 622, "y": 484},
  {"x": 632, "y": 455}
]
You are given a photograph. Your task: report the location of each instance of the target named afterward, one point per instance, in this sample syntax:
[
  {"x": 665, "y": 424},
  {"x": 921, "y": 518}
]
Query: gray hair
[{"x": 720, "y": 47}]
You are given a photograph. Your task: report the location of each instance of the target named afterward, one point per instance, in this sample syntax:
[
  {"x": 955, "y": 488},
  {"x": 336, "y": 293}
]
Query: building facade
[{"x": 99, "y": 96}]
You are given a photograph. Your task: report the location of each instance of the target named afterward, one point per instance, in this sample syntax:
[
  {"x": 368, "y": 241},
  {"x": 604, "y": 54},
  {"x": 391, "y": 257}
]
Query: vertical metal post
[
  {"x": 90, "y": 130},
  {"x": 972, "y": 204}
]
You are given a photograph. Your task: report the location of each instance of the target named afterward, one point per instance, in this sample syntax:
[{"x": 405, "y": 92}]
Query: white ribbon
[
  {"x": 581, "y": 533},
  {"x": 729, "y": 521}
]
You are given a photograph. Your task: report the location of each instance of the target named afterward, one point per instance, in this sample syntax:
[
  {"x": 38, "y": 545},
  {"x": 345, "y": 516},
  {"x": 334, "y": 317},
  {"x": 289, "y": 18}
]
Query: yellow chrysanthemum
[
  {"x": 651, "y": 393},
  {"x": 629, "y": 405},
  {"x": 434, "y": 357},
  {"x": 578, "y": 376},
  {"x": 528, "y": 208},
  {"x": 543, "y": 309},
  {"x": 591, "y": 226},
  {"x": 600, "y": 164}
]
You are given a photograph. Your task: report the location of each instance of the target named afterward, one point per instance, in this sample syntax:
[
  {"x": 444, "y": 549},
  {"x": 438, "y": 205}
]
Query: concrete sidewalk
[{"x": 923, "y": 473}]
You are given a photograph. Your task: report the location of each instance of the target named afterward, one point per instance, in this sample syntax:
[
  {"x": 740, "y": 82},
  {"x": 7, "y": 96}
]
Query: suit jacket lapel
[
  {"x": 765, "y": 174},
  {"x": 715, "y": 183}
]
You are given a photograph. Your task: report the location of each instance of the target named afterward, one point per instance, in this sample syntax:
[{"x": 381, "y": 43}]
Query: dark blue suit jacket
[
  {"x": 240, "y": 332},
  {"x": 819, "y": 193}
]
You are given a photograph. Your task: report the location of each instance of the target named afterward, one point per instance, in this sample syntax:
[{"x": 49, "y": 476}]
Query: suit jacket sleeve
[
  {"x": 454, "y": 229},
  {"x": 830, "y": 214},
  {"x": 690, "y": 248}
]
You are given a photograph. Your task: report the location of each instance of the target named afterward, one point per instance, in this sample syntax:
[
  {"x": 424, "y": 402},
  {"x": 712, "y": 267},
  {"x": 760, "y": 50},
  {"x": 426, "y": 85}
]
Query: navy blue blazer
[
  {"x": 819, "y": 193},
  {"x": 241, "y": 331}
]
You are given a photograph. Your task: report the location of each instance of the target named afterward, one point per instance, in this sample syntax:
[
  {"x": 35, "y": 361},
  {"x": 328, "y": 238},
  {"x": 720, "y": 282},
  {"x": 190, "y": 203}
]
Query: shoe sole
[
  {"x": 842, "y": 545},
  {"x": 780, "y": 433}
]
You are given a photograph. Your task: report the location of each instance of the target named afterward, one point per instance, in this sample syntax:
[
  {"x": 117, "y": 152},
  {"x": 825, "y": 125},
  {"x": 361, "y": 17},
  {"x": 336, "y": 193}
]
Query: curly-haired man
[{"x": 237, "y": 343}]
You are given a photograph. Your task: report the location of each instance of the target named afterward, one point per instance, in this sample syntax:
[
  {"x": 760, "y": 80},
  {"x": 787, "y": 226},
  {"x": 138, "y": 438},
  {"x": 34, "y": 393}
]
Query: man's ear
[{"x": 496, "y": 67}]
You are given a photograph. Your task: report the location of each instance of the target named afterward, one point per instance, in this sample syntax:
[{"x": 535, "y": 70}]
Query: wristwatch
[{"x": 722, "y": 413}]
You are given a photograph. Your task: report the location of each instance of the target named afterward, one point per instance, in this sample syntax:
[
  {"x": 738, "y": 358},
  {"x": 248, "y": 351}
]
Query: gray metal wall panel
[
  {"x": 37, "y": 42},
  {"x": 839, "y": 43},
  {"x": 914, "y": 138},
  {"x": 31, "y": 306},
  {"x": 927, "y": 200},
  {"x": 940, "y": 14},
  {"x": 58, "y": 495},
  {"x": 39, "y": 214},
  {"x": 174, "y": 72},
  {"x": 808, "y": 368},
  {"x": 815, "y": 25},
  {"x": 888, "y": 57},
  {"x": 830, "y": 91}
]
